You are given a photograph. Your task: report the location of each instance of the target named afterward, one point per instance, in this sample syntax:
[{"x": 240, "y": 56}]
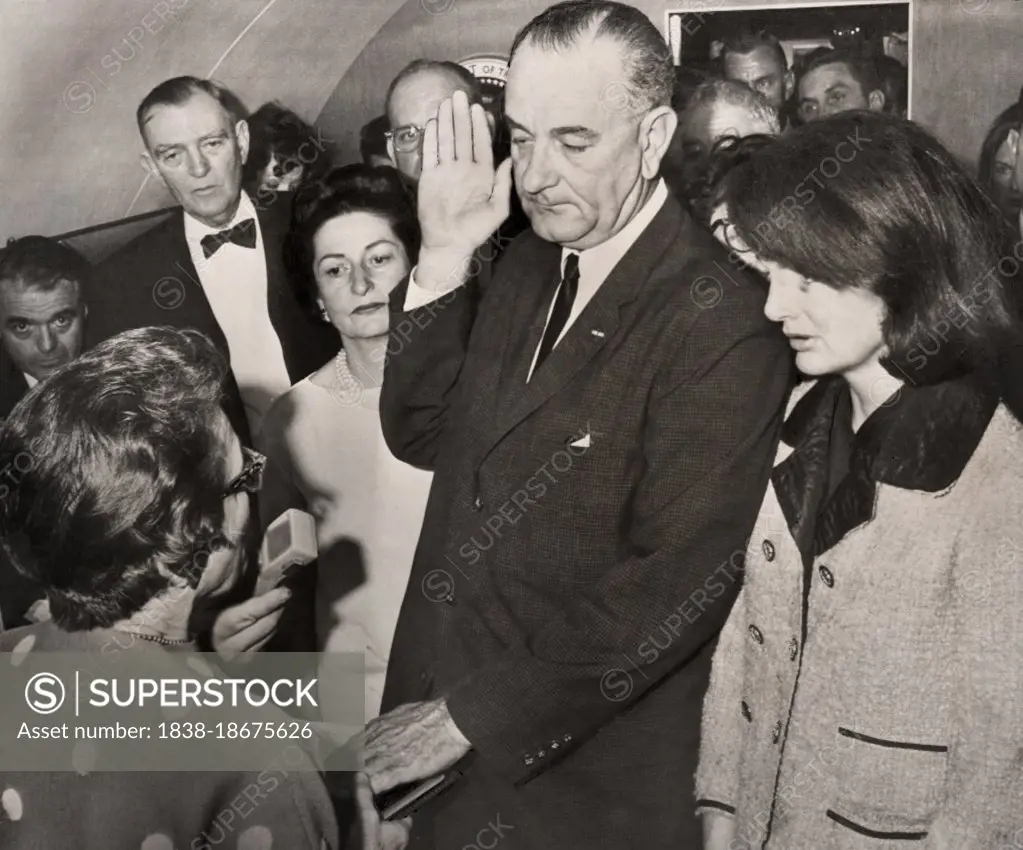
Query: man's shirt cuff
[{"x": 416, "y": 296}]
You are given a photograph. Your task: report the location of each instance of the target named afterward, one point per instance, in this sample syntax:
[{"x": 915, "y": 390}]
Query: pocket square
[{"x": 583, "y": 442}]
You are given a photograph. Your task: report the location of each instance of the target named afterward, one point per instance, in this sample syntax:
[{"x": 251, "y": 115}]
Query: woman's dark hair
[
  {"x": 372, "y": 139},
  {"x": 1009, "y": 120},
  {"x": 870, "y": 200},
  {"x": 352, "y": 188},
  {"x": 698, "y": 180},
  {"x": 115, "y": 466},
  {"x": 276, "y": 131}
]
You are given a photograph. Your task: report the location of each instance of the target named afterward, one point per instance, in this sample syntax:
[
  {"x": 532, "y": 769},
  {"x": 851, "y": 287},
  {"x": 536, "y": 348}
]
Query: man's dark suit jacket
[
  {"x": 17, "y": 593},
  {"x": 152, "y": 281},
  {"x": 565, "y": 600},
  {"x": 13, "y": 385}
]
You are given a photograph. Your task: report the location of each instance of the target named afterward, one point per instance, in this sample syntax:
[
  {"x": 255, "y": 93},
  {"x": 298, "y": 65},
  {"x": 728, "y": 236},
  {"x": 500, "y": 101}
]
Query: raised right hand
[{"x": 462, "y": 200}]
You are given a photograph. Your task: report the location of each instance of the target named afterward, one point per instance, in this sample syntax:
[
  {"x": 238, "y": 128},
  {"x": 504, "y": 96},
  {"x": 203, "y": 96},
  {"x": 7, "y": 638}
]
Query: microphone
[{"x": 289, "y": 542}]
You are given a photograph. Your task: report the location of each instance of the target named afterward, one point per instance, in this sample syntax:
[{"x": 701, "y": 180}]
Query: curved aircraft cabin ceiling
[
  {"x": 450, "y": 29},
  {"x": 72, "y": 74}
]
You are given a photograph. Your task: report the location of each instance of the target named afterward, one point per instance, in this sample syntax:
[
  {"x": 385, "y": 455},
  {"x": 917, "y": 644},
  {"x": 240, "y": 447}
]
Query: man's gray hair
[
  {"x": 713, "y": 92},
  {"x": 647, "y": 59}
]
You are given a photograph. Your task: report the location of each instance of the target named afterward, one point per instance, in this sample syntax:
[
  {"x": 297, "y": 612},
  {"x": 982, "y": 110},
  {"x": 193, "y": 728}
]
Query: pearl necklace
[
  {"x": 156, "y": 638},
  {"x": 347, "y": 389}
]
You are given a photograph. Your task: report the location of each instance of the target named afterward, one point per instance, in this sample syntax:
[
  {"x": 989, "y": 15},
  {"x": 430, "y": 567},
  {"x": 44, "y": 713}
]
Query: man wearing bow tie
[{"x": 216, "y": 266}]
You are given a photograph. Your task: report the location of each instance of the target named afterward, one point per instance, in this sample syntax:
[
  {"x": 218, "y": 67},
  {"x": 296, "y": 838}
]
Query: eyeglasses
[
  {"x": 406, "y": 138},
  {"x": 250, "y": 479}
]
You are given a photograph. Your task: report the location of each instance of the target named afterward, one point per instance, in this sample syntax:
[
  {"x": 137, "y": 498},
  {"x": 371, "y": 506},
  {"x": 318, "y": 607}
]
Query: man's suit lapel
[
  {"x": 526, "y": 320},
  {"x": 185, "y": 269},
  {"x": 202, "y": 318},
  {"x": 594, "y": 328},
  {"x": 13, "y": 386}
]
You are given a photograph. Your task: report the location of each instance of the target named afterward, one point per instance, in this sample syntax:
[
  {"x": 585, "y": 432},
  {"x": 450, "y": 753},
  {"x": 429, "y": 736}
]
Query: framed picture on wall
[{"x": 746, "y": 42}]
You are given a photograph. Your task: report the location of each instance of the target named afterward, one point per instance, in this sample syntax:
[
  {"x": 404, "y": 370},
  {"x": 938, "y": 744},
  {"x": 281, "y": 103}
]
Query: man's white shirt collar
[
  {"x": 598, "y": 261},
  {"x": 195, "y": 230}
]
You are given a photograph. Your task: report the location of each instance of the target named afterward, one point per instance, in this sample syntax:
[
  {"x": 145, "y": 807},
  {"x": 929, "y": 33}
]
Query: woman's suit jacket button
[
  {"x": 826, "y": 575},
  {"x": 768, "y": 549},
  {"x": 756, "y": 634},
  {"x": 746, "y": 711}
]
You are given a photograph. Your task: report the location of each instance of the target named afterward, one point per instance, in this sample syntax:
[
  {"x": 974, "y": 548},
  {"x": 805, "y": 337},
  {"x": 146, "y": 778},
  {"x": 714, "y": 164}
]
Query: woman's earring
[{"x": 324, "y": 315}]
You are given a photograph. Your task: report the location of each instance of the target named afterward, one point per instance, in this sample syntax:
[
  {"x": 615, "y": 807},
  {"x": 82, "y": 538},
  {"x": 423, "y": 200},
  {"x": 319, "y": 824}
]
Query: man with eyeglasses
[{"x": 412, "y": 100}]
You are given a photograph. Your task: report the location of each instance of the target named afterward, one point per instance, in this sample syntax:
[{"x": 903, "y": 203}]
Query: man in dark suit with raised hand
[
  {"x": 217, "y": 266},
  {"x": 602, "y": 432}
]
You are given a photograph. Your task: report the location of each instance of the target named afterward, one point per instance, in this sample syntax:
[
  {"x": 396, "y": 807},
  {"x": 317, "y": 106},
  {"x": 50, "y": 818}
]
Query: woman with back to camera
[
  {"x": 130, "y": 506},
  {"x": 866, "y": 687},
  {"x": 997, "y": 166},
  {"x": 350, "y": 242}
]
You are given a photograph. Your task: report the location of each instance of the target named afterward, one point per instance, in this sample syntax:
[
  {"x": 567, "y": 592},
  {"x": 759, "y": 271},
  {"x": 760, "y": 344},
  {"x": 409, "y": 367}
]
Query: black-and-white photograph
[
  {"x": 808, "y": 60},
  {"x": 473, "y": 425}
]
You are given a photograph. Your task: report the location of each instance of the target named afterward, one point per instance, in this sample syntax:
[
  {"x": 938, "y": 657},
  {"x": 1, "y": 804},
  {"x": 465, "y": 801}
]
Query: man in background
[
  {"x": 757, "y": 60},
  {"x": 43, "y": 287},
  {"x": 413, "y": 99},
  {"x": 43, "y": 290},
  {"x": 834, "y": 81},
  {"x": 215, "y": 266}
]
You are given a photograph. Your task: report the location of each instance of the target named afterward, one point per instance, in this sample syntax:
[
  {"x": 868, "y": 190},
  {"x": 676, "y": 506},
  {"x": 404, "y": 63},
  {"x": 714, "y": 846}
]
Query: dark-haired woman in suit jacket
[{"x": 867, "y": 686}]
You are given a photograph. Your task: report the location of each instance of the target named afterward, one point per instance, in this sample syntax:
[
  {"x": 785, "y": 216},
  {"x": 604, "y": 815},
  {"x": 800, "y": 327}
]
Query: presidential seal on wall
[{"x": 492, "y": 72}]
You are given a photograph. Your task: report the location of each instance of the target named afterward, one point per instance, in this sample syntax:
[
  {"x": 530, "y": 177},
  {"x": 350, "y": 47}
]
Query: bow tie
[{"x": 243, "y": 233}]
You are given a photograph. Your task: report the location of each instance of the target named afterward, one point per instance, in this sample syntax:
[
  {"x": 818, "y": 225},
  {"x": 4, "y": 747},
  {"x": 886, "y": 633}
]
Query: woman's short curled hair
[
  {"x": 865, "y": 199},
  {"x": 116, "y": 467},
  {"x": 378, "y": 190},
  {"x": 699, "y": 179}
]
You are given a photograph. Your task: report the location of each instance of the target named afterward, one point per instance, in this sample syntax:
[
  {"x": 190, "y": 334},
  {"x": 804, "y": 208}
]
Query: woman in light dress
[{"x": 351, "y": 239}]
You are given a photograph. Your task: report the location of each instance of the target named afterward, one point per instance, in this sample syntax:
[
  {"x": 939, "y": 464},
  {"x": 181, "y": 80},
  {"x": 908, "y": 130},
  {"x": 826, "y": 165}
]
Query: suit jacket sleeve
[
  {"x": 713, "y": 419},
  {"x": 425, "y": 352},
  {"x": 984, "y": 789}
]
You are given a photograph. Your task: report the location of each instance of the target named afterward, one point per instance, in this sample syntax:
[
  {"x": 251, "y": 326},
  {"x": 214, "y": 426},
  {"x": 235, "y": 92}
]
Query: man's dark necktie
[
  {"x": 563, "y": 301},
  {"x": 243, "y": 233}
]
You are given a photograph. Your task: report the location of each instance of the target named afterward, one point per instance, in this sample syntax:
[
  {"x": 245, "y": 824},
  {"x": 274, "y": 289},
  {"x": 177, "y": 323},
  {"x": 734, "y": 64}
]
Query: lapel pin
[{"x": 597, "y": 333}]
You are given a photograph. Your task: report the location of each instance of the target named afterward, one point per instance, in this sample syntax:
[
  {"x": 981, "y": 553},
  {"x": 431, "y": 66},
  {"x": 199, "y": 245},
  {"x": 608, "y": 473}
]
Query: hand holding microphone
[{"x": 289, "y": 543}]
